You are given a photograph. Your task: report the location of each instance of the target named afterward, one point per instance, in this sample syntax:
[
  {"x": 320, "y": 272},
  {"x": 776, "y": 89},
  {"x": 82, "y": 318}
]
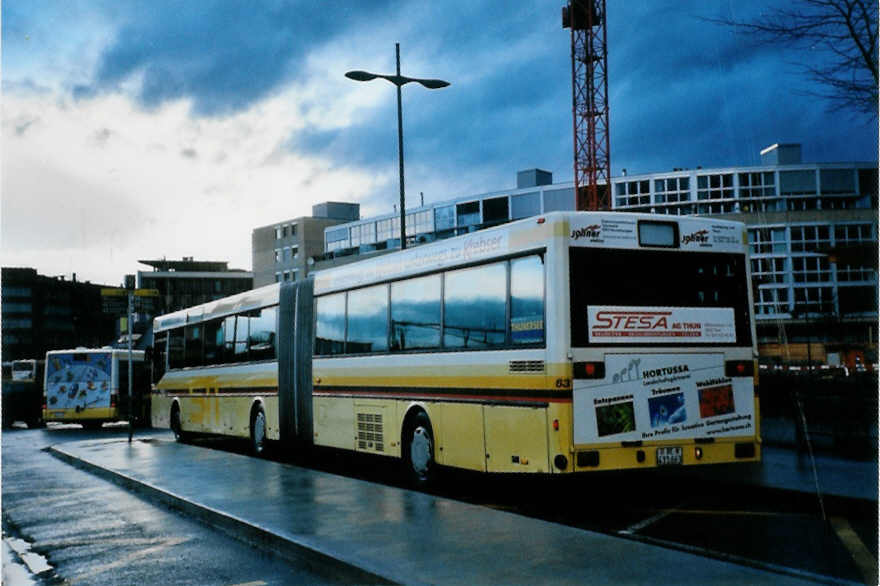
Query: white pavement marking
[{"x": 632, "y": 529}]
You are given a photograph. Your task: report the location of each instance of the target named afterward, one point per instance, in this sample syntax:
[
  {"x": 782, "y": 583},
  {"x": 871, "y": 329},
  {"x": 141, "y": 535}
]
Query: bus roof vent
[{"x": 526, "y": 366}]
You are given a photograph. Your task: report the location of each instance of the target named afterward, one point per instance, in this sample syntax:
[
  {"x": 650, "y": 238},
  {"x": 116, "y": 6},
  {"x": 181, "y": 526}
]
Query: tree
[{"x": 841, "y": 38}]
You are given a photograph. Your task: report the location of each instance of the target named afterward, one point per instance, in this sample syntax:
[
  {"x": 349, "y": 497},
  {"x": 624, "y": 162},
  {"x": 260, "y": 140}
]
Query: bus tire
[
  {"x": 418, "y": 451},
  {"x": 92, "y": 424},
  {"x": 176, "y": 426},
  {"x": 258, "y": 431},
  {"x": 36, "y": 423}
]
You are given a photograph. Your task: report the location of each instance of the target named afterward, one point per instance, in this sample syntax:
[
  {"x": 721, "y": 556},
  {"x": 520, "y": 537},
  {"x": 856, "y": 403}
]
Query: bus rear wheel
[
  {"x": 258, "y": 432},
  {"x": 92, "y": 424},
  {"x": 418, "y": 452}
]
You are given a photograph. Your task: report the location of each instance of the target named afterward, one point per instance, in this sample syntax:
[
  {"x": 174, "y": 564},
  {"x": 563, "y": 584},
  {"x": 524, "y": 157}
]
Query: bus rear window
[{"x": 656, "y": 279}]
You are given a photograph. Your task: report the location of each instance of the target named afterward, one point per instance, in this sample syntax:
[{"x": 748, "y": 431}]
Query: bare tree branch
[{"x": 841, "y": 36}]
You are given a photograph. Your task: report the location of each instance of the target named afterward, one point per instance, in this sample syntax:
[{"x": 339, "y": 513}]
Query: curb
[{"x": 317, "y": 561}]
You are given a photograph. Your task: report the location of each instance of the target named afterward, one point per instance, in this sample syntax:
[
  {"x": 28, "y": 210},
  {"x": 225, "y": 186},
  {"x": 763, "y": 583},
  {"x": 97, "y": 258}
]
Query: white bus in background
[{"x": 90, "y": 386}]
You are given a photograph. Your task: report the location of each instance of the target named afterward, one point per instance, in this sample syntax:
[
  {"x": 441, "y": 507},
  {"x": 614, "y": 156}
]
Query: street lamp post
[{"x": 399, "y": 81}]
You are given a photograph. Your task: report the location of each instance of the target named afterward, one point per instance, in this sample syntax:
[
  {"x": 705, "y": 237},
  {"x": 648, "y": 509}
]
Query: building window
[
  {"x": 383, "y": 230},
  {"x": 715, "y": 186},
  {"x": 633, "y": 193},
  {"x": 769, "y": 270},
  {"x": 277, "y": 232},
  {"x": 852, "y": 233},
  {"x": 467, "y": 214},
  {"x": 810, "y": 238},
  {"x": 418, "y": 223},
  {"x": 337, "y": 238},
  {"x": 293, "y": 229},
  {"x": 672, "y": 190},
  {"x": 525, "y": 205},
  {"x": 797, "y": 182},
  {"x": 837, "y": 181},
  {"x": 284, "y": 231},
  {"x": 444, "y": 217},
  {"x": 772, "y": 301},
  {"x": 810, "y": 269},
  {"x": 767, "y": 240},
  {"x": 496, "y": 209},
  {"x": 814, "y": 300},
  {"x": 558, "y": 200},
  {"x": 277, "y": 255},
  {"x": 277, "y": 277}
]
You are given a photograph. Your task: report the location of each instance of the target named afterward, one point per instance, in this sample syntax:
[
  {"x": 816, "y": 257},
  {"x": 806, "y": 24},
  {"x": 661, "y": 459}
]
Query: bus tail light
[
  {"x": 113, "y": 400},
  {"x": 555, "y": 425},
  {"x": 698, "y": 453},
  {"x": 589, "y": 370},
  {"x": 739, "y": 368}
]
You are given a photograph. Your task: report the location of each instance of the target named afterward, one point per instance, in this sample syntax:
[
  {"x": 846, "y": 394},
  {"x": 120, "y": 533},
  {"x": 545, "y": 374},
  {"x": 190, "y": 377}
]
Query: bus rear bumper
[{"x": 667, "y": 455}]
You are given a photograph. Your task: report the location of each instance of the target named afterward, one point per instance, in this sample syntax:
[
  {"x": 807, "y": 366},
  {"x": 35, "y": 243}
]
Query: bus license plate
[{"x": 668, "y": 456}]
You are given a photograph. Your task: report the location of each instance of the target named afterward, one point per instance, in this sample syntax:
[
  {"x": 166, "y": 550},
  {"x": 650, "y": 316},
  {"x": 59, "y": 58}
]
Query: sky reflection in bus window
[
  {"x": 330, "y": 324},
  {"x": 261, "y": 335},
  {"x": 527, "y": 300},
  {"x": 475, "y": 307},
  {"x": 368, "y": 320},
  {"x": 415, "y": 313}
]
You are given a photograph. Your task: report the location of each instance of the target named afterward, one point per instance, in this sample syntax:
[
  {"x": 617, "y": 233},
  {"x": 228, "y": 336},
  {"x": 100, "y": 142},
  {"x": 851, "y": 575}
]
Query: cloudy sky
[{"x": 164, "y": 128}]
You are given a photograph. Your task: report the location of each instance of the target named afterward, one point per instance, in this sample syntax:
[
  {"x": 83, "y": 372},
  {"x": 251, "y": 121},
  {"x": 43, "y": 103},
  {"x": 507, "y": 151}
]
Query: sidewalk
[{"x": 375, "y": 533}]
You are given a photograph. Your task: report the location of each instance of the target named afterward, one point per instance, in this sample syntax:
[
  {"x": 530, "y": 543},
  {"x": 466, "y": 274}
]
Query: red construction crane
[{"x": 589, "y": 82}]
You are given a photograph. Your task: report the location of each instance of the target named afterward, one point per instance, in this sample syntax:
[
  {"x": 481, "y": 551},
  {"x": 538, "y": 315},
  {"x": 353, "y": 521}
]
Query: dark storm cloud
[{"x": 224, "y": 55}]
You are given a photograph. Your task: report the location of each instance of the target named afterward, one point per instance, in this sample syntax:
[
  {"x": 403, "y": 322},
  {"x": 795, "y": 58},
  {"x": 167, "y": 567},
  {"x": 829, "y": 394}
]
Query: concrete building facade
[
  {"x": 280, "y": 250},
  {"x": 42, "y": 313},
  {"x": 187, "y": 282}
]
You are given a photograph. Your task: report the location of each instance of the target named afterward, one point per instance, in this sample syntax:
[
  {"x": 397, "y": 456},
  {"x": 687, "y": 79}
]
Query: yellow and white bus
[
  {"x": 89, "y": 386},
  {"x": 569, "y": 342}
]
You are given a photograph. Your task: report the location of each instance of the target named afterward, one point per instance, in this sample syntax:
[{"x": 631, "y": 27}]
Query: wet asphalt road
[{"x": 94, "y": 532}]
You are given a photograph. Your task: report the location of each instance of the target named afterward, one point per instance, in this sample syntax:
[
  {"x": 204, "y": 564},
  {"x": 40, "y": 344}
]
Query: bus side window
[
  {"x": 158, "y": 356},
  {"x": 175, "y": 348},
  {"x": 235, "y": 330},
  {"x": 214, "y": 342},
  {"x": 193, "y": 348},
  {"x": 330, "y": 325},
  {"x": 262, "y": 335},
  {"x": 527, "y": 300},
  {"x": 415, "y": 313},
  {"x": 475, "y": 307},
  {"x": 367, "y": 320}
]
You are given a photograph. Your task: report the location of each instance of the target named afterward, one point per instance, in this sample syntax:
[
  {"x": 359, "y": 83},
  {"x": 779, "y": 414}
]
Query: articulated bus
[
  {"x": 22, "y": 393},
  {"x": 569, "y": 342},
  {"x": 90, "y": 386}
]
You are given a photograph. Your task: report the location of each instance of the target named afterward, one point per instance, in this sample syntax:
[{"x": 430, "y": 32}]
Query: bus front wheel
[
  {"x": 418, "y": 451},
  {"x": 176, "y": 427},
  {"x": 258, "y": 431}
]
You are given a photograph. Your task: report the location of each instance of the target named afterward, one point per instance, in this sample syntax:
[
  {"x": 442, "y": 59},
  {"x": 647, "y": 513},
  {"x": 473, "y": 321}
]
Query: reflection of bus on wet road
[
  {"x": 91, "y": 386},
  {"x": 569, "y": 342},
  {"x": 22, "y": 392}
]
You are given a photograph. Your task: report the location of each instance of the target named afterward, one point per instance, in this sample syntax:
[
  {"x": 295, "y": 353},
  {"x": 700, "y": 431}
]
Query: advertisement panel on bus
[
  {"x": 79, "y": 381},
  {"x": 663, "y": 396}
]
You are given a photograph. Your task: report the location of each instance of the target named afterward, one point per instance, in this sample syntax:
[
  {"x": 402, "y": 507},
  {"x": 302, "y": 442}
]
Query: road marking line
[
  {"x": 864, "y": 560},
  {"x": 649, "y": 521},
  {"x": 743, "y": 561},
  {"x": 736, "y": 513},
  {"x": 254, "y": 583}
]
